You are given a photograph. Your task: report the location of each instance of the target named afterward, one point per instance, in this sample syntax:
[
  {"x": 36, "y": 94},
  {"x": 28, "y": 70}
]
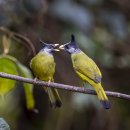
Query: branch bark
[{"x": 62, "y": 86}]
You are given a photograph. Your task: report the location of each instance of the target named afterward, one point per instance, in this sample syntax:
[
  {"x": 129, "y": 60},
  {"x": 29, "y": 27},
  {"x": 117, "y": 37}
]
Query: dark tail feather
[
  {"x": 106, "y": 104},
  {"x": 102, "y": 96},
  {"x": 54, "y": 97}
]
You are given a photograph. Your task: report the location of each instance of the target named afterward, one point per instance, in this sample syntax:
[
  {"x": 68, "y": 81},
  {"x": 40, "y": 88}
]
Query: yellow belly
[{"x": 43, "y": 66}]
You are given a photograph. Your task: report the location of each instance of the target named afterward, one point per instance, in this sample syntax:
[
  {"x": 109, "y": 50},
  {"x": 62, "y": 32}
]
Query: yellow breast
[{"x": 43, "y": 66}]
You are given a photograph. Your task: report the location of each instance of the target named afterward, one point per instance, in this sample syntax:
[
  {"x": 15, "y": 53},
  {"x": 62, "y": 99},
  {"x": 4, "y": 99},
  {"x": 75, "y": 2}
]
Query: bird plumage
[
  {"x": 87, "y": 70},
  {"x": 43, "y": 66}
]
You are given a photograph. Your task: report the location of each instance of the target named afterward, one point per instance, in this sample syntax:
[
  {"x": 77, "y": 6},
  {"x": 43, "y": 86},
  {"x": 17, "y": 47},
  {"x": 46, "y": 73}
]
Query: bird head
[
  {"x": 49, "y": 47},
  {"x": 70, "y": 47}
]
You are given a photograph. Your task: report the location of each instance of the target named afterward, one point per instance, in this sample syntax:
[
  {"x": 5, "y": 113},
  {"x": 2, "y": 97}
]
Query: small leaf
[
  {"x": 28, "y": 88},
  {"x": 6, "y": 44},
  {"x": 7, "y": 66}
]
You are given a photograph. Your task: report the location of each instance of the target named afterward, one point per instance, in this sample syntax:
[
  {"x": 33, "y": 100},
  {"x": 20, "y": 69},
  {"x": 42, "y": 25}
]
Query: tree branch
[
  {"x": 62, "y": 86},
  {"x": 26, "y": 42}
]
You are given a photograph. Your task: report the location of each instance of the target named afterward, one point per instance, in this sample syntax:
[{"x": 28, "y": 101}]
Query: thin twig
[
  {"x": 62, "y": 86},
  {"x": 15, "y": 36},
  {"x": 25, "y": 39}
]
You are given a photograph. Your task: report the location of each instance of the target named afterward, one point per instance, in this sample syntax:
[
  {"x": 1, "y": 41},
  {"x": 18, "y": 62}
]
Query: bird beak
[
  {"x": 55, "y": 45},
  {"x": 56, "y": 49},
  {"x": 62, "y": 47}
]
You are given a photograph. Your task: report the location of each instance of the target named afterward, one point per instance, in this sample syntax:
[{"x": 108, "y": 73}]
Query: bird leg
[
  {"x": 48, "y": 85},
  {"x": 46, "y": 88},
  {"x": 35, "y": 79},
  {"x": 83, "y": 84},
  {"x": 49, "y": 82}
]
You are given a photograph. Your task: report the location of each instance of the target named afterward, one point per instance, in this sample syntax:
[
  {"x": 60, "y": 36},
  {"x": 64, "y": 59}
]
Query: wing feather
[{"x": 86, "y": 67}]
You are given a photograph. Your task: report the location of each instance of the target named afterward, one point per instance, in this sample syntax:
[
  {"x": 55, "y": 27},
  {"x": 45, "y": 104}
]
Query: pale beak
[
  {"x": 62, "y": 47},
  {"x": 55, "y": 45},
  {"x": 56, "y": 49}
]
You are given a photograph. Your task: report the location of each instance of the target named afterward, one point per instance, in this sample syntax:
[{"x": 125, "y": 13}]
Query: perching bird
[
  {"x": 43, "y": 67},
  {"x": 86, "y": 69}
]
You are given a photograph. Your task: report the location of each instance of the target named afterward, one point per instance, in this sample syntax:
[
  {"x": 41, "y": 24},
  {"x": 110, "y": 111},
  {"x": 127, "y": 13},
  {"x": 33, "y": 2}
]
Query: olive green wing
[{"x": 86, "y": 67}]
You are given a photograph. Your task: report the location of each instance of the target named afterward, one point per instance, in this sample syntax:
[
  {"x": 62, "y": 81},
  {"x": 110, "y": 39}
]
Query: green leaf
[
  {"x": 28, "y": 88},
  {"x": 9, "y": 67},
  {"x": 25, "y": 72}
]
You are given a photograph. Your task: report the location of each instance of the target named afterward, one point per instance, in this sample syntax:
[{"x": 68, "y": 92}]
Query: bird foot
[
  {"x": 49, "y": 82},
  {"x": 35, "y": 79}
]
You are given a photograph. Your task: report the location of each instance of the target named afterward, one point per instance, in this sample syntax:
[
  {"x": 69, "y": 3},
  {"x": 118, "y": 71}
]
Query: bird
[
  {"x": 86, "y": 69},
  {"x": 43, "y": 67}
]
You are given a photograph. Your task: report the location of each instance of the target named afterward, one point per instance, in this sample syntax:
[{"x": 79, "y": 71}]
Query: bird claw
[
  {"x": 49, "y": 82},
  {"x": 35, "y": 79}
]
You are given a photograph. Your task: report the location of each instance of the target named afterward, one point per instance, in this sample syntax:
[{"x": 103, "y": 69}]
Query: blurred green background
[{"x": 102, "y": 30}]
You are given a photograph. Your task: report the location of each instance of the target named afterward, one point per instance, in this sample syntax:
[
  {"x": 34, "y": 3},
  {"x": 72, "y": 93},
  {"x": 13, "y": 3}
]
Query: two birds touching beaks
[{"x": 43, "y": 67}]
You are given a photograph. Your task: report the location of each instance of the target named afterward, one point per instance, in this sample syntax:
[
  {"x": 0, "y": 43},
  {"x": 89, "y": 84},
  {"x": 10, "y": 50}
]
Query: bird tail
[
  {"x": 54, "y": 97},
  {"x": 102, "y": 96}
]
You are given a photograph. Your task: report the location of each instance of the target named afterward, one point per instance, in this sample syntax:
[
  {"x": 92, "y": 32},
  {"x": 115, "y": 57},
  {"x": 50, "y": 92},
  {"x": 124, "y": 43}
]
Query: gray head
[
  {"x": 70, "y": 47},
  {"x": 49, "y": 48}
]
